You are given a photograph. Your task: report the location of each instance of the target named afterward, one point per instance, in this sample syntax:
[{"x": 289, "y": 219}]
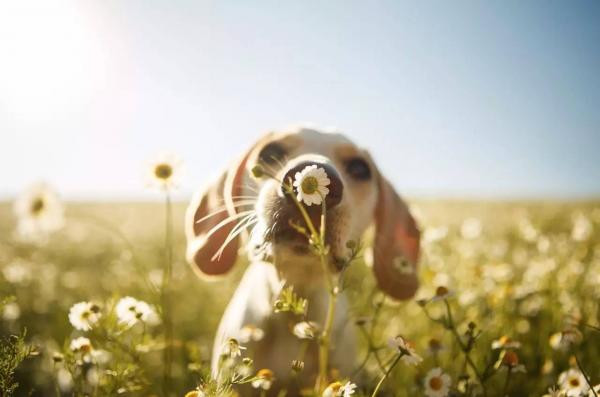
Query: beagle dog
[{"x": 359, "y": 196}]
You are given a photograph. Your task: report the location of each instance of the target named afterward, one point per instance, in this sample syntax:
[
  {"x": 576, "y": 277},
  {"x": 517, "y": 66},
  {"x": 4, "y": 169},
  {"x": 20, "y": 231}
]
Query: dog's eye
[
  {"x": 358, "y": 169},
  {"x": 272, "y": 153}
]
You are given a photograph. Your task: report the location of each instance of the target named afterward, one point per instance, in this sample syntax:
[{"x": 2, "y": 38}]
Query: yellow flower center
[
  {"x": 510, "y": 359},
  {"x": 574, "y": 382},
  {"x": 441, "y": 291},
  {"x": 265, "y": 374},
  {"x": 163, "y": 171},
  {"x": 436, "y": 383},
  {"x": 309, "y": 185},
  {"x": 37, "y": 206},
  {"x": 335, "y": 386}
]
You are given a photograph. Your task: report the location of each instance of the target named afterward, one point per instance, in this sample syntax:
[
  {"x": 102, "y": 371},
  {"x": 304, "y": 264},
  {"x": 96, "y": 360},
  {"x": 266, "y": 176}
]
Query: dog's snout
[{"x": 336, "y": 187}]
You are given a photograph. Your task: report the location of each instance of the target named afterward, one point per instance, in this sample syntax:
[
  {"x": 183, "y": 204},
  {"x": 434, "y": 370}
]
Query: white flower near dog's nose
[
  {"x": 84, "y": 315},
  {"x": 437, "y": 383},
  {"x": 336, "y": 389},
  {"x": 311, "y": 185},
  {"x": 306, "y": 329},
  {"x": 130, "y": 311},
  {"x": 232, "y": 348}
]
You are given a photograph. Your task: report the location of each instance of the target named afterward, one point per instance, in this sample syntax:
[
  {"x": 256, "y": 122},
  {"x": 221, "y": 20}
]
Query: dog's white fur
[{"x": 274, "y": 263}]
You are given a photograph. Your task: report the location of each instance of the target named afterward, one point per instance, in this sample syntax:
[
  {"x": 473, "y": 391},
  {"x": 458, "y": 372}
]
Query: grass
[{"x": 517, "y": 269}]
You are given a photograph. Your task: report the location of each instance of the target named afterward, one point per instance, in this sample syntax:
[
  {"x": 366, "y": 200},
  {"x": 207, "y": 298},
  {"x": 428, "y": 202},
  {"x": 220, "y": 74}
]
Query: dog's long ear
[
  {"x": 396, "y": 249},
  {"x": 206, "y": 225}
]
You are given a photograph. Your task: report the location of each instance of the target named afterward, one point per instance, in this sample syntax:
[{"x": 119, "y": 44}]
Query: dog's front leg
[{"x": 251, "y": 304}]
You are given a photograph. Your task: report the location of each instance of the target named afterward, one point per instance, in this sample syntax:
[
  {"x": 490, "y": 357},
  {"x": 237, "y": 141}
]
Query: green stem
[
  {"x": 585, "y": 375},
  {"x": 463, "y": 347},
  {"x": 166, "y": 297},
  {"x": 508, "y": 374},
  {"x": 383, "y": 378}
]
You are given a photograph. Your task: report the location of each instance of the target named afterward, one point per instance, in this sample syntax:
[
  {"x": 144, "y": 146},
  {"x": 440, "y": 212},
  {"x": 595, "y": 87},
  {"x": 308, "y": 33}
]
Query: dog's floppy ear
[
  {"x": 396, "y": 249},
  {"x": 210, "y": 208}
]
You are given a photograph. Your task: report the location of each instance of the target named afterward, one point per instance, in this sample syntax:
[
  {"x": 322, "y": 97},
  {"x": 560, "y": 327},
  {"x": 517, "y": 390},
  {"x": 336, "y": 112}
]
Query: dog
[{"x": 278, "y": 254}]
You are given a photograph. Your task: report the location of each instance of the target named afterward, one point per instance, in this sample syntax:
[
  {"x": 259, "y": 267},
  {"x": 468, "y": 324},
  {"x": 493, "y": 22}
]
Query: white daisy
[
  {"x": 249, "y": 333},
  {"x": 311, "y": 185},
  {"x": 306, "y": 330},
  {"x": 408, "y": 354},
  {"x": 165, "y": 172},
  {"x": 437, "y": 383},
  {"x": 596, "y": 389},
  {"x": 505, "y": 342},
  {"x": 573, "y": 383},
  {"x": 336, "y": 389},
  {"x": 39, "y": 212},
  {"x": 84, "y": 315},
  {"x": 130, "y": 311},
  {"x": 264, "y": 379},
  {"x": 81, "y": 344},
  {"x": 232, "y": 348}
]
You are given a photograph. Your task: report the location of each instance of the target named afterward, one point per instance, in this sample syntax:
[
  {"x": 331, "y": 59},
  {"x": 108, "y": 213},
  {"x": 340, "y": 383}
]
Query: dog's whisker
[
  {"x": 227, "y": 220},
  {"x": 239, "y": 228},
  {"x": 244, "y": 197},
  {"x": 282, "y": 161},
  {"x": 254, "y": 189},
  {"x": 225, "y": 208}
]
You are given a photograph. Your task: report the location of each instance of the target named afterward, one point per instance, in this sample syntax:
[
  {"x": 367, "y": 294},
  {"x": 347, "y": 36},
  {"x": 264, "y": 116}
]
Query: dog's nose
[{"x": 335, "y": 186}]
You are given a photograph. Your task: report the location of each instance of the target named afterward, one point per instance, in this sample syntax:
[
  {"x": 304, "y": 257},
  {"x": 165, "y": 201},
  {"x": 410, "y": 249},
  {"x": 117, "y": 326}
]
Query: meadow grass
[{"x": 529, "y": 271}]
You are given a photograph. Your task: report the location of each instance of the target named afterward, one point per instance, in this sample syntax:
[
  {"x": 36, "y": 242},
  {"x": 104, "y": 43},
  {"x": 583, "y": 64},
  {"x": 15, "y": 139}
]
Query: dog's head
[{"x": 358, "y": 196}]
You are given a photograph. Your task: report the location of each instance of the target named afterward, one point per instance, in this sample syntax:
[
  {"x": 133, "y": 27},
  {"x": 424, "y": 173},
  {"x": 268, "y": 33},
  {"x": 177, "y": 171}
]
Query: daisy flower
[
  {"x": 311, "y": 185},
  {"x": 195, "y": 393},
  {"x": 130, "y": 311},
  {"x": 250, "y": 332},
  {"x": 505, "y": 342},
  {"x": 232, "y": 348},
  {"x": 408, "y": 354},
  {"x": 81, "y": 344},
  {"x": 435, "y": 346},
  {"x": 510, "y": 360},
  {"x": 306, "y": 330},
  {"x": 441, "y": 293},
  {"x": 573, "y": 383},
  {"x": 165, "y": 172},
  {"x": 565, "y": 339},
  {"x": 336, "y": 389},
  {"x": 84, "y": 315},
  {"x": 264, "y": 379},
  {"x": 437, "y": 383},
  {"x": 39, "y": 212}
]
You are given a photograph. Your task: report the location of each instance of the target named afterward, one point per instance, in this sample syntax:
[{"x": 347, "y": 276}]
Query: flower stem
[
  {"x": 166, "y": 297},
  {"x": 585, "y": 375},
  {"x": 508, "y": 374},
  {"x": 385, "y": 375},
  {"x": 451, "y": 326}
]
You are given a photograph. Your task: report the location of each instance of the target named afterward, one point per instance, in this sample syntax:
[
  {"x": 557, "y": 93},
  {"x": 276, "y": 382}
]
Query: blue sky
[{"x": 459, "y": 99}]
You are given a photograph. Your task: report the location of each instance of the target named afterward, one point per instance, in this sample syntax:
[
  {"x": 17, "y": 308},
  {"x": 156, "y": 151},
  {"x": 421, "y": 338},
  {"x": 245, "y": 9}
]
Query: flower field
[{"x": 508, "y": 305}]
